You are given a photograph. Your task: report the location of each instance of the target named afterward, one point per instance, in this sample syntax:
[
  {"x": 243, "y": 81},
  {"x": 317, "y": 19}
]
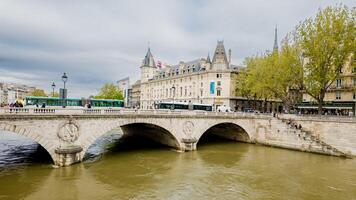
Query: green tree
[
  {"x": 327, "y": 41},
  {"x": 37, "y": 93},
  {"x": 272, "y": 76},
  {"x": 250, "y": 82},
  {"x": 284, "y": 74},
  {"x": 109, "y": 91},
  {"x": 55, "y": 94}
]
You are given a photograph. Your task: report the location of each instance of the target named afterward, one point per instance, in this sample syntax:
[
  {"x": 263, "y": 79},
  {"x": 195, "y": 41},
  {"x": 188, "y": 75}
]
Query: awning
[{"x": 326, "y": 107}]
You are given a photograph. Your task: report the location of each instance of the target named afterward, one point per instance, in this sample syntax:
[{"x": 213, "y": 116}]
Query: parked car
[{"x": 248, "y": 110}]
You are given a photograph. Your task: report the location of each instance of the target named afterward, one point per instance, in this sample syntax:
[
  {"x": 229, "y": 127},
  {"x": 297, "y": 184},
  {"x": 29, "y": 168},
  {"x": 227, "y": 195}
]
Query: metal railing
[{"x": 318, "y": 117}]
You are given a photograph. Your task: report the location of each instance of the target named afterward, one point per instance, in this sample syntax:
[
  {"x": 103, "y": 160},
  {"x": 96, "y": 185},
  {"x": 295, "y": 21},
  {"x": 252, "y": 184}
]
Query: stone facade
[
  {"x": 10, "y": 92},
  {"x": 202, "y": 81},
  {"x": 134, "y": 95}
]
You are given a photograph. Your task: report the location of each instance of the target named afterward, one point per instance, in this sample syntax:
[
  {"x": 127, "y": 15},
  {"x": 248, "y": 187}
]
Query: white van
[{"x": 223, "y": 108}]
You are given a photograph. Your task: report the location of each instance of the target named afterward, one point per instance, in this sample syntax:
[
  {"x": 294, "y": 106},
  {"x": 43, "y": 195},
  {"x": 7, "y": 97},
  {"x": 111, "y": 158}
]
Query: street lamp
[
  {"x": 64, "y": 91},
  {"x": 53, "y": 87},
  {"x": 174, "y": 93},
  {"x": 64, "y": 79}
]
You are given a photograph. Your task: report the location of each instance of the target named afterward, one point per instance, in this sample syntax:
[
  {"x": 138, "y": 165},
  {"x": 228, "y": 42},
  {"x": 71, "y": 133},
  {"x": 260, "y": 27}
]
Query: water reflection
[{"x": 17, "y": 151}]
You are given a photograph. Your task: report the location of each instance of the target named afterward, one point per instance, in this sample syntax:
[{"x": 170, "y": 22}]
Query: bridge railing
[
  {"x": 44, "y": 110},
  {"x": 15, "y": 110},
  {"x": 117, "y": 111}
]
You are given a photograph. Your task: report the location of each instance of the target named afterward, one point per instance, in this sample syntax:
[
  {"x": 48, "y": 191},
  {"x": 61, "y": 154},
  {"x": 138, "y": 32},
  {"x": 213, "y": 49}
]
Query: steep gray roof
[
  {"x": 149, "y": 61},
  {"x": 220, "y": 52}
]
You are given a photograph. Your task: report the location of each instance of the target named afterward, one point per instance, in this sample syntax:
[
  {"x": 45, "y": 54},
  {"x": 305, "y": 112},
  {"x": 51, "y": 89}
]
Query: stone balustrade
[{"x": 117, "y": 111}]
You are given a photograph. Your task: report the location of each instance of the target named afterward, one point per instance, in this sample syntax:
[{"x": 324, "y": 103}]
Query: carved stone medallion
[
  {"x": 68, "y": 133},
  {"x": 188, "y": 128}
]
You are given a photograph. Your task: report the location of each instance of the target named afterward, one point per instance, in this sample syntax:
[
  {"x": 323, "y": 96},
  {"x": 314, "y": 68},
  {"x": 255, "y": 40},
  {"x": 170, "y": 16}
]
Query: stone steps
[{"x": 308, "y": 136}]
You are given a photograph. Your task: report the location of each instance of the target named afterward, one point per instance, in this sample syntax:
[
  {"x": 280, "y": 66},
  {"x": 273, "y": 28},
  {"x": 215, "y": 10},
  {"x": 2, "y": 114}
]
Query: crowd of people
[{"x": 17, "y": 104}]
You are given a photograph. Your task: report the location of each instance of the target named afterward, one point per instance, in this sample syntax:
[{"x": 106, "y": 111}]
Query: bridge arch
[
  {"x": 228, "y": 130},
  {"x": 30, "y": 134},
  {"x": 153, "y": 130}
]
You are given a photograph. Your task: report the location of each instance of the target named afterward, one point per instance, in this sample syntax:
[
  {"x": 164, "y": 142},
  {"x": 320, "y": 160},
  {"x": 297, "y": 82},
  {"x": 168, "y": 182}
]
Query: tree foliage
[
  {"x": 109, "y": 91},
  {"x": 55, "y": 94},
  {"x": 37, "y": 93},
  {"x": 327, "y": 41},
  {"x": 311, "y": 58},
  {"x": 272, "y": 75}
]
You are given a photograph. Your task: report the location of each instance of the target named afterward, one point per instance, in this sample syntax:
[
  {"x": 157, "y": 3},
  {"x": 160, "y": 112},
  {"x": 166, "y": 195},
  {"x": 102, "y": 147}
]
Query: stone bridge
[{"x": 66, "y": 134}]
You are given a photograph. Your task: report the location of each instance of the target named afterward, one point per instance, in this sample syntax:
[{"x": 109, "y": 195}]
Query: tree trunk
[
  {"x": 320, "y": 107},
  {"x": 321, "y": 102}
]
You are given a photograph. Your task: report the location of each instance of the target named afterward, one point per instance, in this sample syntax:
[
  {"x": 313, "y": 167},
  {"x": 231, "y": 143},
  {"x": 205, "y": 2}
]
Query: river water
[{"x": 131, "y": 170}]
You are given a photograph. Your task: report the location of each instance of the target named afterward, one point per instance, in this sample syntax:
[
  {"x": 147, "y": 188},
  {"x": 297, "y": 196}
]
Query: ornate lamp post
[
  {"x": 64, "y": 91},
  {"x": 174, "y": 93},
  {"x": 53, "y": 87},
  {"x": 64, "y": 79}
]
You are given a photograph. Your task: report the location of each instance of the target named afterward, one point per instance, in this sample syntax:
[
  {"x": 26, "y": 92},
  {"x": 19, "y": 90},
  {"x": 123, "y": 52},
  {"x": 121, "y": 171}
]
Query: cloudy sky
[{"x": 103, "y": 41}]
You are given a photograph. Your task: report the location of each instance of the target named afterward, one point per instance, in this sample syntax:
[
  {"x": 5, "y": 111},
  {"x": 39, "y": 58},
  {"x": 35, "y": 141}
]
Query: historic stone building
[
  {"x": 10, "y": 92},
  {"x": 134, "y": 95},
  {"x": 202, "y": 81}
]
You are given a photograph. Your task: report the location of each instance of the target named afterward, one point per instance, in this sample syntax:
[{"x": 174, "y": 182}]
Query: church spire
[{"x": 275, "y": 45}]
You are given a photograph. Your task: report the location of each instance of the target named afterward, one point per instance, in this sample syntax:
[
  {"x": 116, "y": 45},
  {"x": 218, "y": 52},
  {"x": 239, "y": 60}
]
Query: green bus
[{"x": 71, "y": 102}]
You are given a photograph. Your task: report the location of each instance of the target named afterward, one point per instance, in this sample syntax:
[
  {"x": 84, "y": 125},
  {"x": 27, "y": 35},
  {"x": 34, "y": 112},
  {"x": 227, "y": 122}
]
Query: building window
[
  {"x": 338, "y": 95},
  {"x": 354, "y": 96},
  {"x": 354, "y": 81},
  {"x": 185, "y": 91},
  {"x": 218, "y": 93},
  {"x": 338, "y": 82},
  {"x": 219, "y": 83},
  {"x": 201, "y": 92}
]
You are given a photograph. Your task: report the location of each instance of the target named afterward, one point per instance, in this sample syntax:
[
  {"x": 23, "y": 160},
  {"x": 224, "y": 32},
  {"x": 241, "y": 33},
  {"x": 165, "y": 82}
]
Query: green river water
[{"x": 218, "y": 170}]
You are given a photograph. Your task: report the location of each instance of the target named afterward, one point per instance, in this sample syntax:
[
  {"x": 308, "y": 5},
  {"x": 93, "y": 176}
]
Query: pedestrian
[
  {"x": 300, "y": 126},
  {"x": 43, "y": 105}
]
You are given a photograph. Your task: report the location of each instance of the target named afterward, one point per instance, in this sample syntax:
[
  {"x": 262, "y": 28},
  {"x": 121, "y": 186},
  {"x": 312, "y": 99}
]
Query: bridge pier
[
  {"x": 67, "y": 155},
  {"x": 190, "y": 144}
]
